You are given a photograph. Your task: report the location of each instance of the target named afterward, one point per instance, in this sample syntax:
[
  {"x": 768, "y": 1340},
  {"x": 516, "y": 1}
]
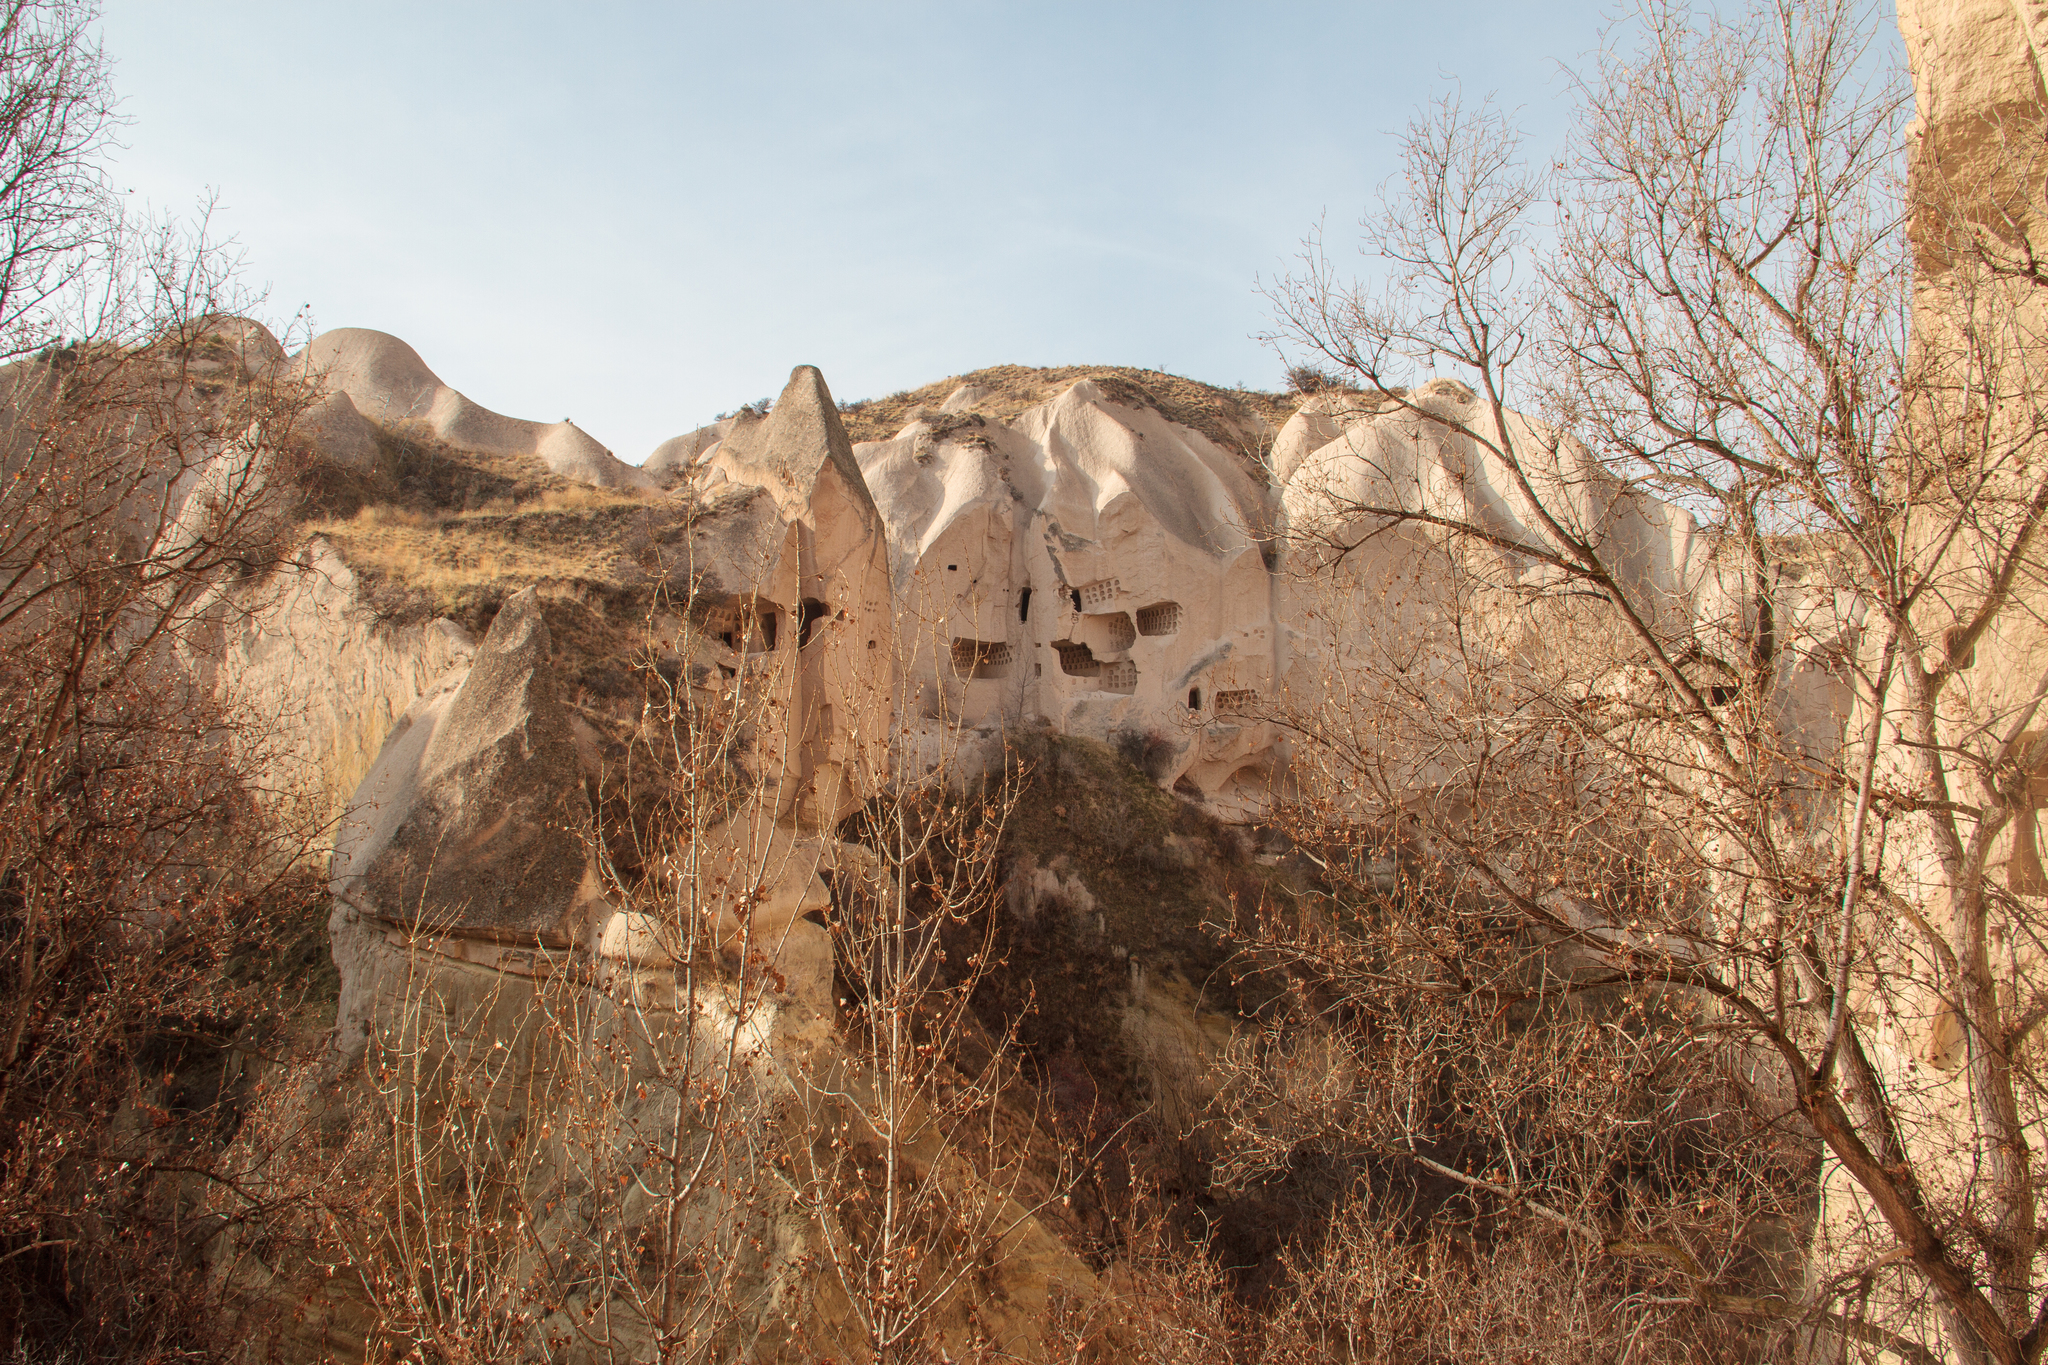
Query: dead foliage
[{"x": 1241, "y": 421}]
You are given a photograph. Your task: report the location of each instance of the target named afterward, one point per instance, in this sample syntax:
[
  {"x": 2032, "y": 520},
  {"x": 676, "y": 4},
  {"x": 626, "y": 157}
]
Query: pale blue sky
[{"x": 639, "y": 215}]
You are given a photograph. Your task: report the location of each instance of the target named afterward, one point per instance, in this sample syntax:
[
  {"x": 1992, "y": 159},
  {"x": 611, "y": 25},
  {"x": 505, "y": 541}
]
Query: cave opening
[{"x": 810, "y": 611}]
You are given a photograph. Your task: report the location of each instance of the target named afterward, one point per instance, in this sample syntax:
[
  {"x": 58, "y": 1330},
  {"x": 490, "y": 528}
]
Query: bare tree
[
  {"x": 1699, "y": 728},
  {"x": 922, "y": 1163},
  {"x": 145, "y": 898},
  {"x": 59, "y": 221}
]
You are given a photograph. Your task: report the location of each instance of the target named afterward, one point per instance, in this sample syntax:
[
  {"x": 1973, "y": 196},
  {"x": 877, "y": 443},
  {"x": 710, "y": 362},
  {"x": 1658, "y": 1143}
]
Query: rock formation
[
  {"x": 322, "y": 678},
  {"x": 1090, "y": 566},
  {"x": 469, "y": 824},
  {"x": 387, "y": 383},
  {"x": 474, "y": 824},
  {"x": 831, "y": 617}
]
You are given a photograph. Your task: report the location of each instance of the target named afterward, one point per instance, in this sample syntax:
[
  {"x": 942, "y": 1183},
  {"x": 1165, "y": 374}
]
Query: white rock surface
[
  {"x": 390, "y": 385},
  {"x": 332, "y": 426},
  {"x": 1089, "y": 566},
  {"x": 674, "y": 458},
  {"x": 310, "y": 665}
]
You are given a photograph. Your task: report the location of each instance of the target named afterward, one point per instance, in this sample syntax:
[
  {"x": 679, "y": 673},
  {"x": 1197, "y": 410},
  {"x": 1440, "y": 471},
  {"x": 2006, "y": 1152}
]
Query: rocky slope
[
  {"x": 503, "y": 658},
  {"x": 502, "y": 653}
]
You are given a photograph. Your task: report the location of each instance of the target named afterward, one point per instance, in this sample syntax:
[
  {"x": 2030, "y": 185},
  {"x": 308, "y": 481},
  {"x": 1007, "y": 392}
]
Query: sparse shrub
[
  {"x": 1235, "y": 843},
  {"x": 1308, "y": 379},
  {"x": 758, "y": 408},
  {"x": 1149, "y": 751}
]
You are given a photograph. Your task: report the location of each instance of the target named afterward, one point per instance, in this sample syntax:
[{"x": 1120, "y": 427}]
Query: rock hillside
[{"x": 765, "y": 630}]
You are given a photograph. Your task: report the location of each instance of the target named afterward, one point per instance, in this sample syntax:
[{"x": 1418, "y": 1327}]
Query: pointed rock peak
[
  {"x": 518, "y": 628},
  {"x": 508, "y": 685},
  {"x": 802, "y": 435}
]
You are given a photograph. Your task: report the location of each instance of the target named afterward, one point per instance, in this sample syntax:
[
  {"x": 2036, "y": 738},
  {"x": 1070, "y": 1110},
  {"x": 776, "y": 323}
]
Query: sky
[{"x": 639, "y": 216}]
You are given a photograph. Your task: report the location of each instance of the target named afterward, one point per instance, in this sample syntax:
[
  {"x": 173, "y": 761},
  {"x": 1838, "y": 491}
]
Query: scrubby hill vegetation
[
  {"x": 1240, "y": 420},
  {"x": 1607, "y": 977}
]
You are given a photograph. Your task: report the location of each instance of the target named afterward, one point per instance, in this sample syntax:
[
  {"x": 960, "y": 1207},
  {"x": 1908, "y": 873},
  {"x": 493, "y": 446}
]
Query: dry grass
[
  {"x": 1242, "y": 421},
  {"x": 419, "y": 563},
  {"x": 434, "y": 530},
  {"x": 579, "y": 497},
  {"x": 446, "y": 553}
]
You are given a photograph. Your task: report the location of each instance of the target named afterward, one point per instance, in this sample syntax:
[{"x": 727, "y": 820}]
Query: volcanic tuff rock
[
  {"x": 1084, "y": 563},
  {"x": 386, "y": 382},
  {"x": 1092, "y": 566},
  {"x": 792, "y": 575},
  {"x": 322, "y": 677},
  {"x": 1977, "y": 84},
  {"x": 473, "y": 820}
]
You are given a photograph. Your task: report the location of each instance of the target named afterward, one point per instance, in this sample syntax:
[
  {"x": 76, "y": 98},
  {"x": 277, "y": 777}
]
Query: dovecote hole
[
  {"x": 812, "y": 610},
  {"x": 1117, "y": 627},
  {"x": 981, "y": 659},
  {"x": 1076, "y": 659},
  {"x": 1161, "y": 618},
  {"x": 1101, "y": 592}
]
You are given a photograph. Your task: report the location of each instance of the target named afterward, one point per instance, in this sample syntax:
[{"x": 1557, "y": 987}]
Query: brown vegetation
[
  {"x": 1683, "y": 940},
  {"x": 1241, "y": 421},
  {"x": 157, "y": 930}
]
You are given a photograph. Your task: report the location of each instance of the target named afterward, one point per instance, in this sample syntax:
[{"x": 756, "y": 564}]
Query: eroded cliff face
[
  {"x": 829, "y": 619},
  {"x": 1976, "y": 162},
  {"x": 1977, "y": 89},
  {"x": 1084, "y": 565},
  {"x": 476, "y": 823},
  {"x": 1090, "y": 566},
  {"x": 322, "y": 678}
]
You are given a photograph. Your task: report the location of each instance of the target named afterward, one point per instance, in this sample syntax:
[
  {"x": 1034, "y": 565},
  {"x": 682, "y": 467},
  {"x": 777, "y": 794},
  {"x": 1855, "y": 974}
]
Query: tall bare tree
[
  {"x": 1731, "y": 713},
  {"x": 142, "y": 891}
]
